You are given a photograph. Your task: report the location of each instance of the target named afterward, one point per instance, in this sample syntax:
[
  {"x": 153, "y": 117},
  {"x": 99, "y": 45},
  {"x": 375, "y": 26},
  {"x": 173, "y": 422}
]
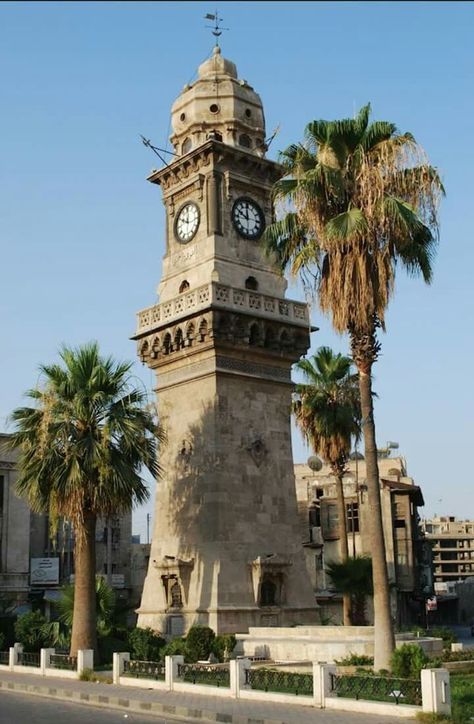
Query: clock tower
[{"x": 226, "y": 549}]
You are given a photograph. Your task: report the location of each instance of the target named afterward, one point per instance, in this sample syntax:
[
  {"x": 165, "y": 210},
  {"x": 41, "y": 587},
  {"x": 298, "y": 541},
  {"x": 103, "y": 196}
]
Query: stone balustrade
[{"x": 224, "y": 297}]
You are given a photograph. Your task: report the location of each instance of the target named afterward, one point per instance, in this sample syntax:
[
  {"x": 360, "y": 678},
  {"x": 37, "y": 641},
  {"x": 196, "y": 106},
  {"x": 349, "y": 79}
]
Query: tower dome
[{"x": 218, "y": 106}]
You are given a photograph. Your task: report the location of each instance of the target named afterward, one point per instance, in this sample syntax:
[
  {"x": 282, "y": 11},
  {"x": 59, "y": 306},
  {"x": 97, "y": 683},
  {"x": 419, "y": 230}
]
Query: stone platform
[{"x": 321, "y": 643}]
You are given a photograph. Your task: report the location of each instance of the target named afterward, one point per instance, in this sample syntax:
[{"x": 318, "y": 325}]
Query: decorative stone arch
[
  {"x": 240, "y": 333},
  {"x": 255, "y": 335},
  {"x": 270, "y": 340},
  {"x": 285, "y": 341},
  {"x": 268, "y": 591},
  {"x": 223, "y": 327},
  {"x": 167, "y": 344},
  {"x": 203, "y": 329},
  {"x": 178, "y": 339},
  {"x": 143, "y": 350},
  {"x": 183, "y": 287},
  {"x": 189, "y": 334},
  {"x": 155, "y": 347},
  {"x": 251, "y": 283}
]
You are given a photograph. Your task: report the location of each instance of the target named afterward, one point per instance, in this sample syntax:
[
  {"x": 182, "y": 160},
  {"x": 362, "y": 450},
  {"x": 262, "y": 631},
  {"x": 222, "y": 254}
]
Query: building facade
[
  {"x": 34, "y": 563},
  {"x": 452, "y": 542},
  {"x": 408, "y": 555},
  {"x": 225, "y": 548}
]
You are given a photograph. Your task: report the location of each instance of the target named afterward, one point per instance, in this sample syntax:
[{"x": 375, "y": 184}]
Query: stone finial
[{"x": 217, "y": 65}]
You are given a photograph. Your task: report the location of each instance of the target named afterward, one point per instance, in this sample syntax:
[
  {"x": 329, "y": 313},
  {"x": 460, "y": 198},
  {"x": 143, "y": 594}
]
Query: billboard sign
[{"x": 44, "y": 571}]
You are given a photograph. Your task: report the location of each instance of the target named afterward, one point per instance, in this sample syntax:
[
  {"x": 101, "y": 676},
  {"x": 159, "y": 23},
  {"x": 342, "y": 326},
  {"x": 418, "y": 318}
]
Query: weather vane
[{"x": 216, "y": 28}]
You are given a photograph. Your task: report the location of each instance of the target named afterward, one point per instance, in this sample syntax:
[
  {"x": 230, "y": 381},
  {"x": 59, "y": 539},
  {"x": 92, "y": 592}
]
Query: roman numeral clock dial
[{"x": 248, "y": 218}]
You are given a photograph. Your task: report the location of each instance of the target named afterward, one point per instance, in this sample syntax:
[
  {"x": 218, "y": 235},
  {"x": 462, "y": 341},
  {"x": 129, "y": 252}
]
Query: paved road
[{"x": 24, "y": 709}]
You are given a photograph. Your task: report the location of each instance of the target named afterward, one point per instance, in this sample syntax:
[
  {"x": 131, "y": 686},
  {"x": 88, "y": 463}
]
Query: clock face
[
  {"x": 187, "y": 222},
  {"x": 248, "y": 218}
]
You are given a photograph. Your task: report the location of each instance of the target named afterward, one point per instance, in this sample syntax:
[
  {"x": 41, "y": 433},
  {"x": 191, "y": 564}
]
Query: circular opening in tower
[
  {"x": 182, "y": 117},
  {"x": 214, "y": 108},
  {"x": 248, "y": 112}
]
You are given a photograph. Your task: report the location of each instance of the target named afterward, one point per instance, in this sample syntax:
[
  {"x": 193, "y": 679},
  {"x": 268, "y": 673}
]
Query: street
[{"x": 20, "y": 709}]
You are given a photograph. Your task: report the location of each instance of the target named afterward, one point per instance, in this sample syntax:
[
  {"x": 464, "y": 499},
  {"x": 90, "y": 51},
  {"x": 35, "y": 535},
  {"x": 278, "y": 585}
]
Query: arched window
[
  {"x": 251, "y": 283},
  {"x": 144, "y": 351},
  {"x": 186, "y": 146},
  {"x": 184, "y": 286},
  {"x": 245, "y": 140},
  {"x": 268, "y": 593},
  {"x": 269, "y": 338},
  {"x": 215, "y": 135}
]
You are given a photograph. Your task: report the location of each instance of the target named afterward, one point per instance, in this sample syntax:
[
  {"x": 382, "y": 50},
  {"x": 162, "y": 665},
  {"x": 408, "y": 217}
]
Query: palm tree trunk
[
  {"x": 343, "y": 546},
  {"x": 84, "y": 634},
  {"x": 384, "y": 640}
]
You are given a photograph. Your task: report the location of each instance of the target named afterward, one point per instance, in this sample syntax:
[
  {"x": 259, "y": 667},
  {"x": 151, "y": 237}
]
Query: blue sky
[{"x": 82, "y": 231}]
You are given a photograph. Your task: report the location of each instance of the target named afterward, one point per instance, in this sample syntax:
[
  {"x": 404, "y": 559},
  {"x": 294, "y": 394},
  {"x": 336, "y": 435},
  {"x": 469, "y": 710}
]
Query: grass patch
[{"x": 462, "y": 697}]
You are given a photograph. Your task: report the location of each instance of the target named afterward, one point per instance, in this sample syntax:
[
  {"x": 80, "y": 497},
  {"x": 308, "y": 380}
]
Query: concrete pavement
[{"x": 173, "y": 705}]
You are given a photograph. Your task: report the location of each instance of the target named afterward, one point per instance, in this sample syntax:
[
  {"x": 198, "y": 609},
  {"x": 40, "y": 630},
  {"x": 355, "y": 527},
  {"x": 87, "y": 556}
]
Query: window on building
[
  {"x": 251, "y": 283},
  {"x": 314, "y": 516},
  {"x": 400, "y": 523},
  {"x": 184, "y": 286},
  {"x": 245, "y": 141},
  {"x": 352, "y": 514},
  {"x": 187, "y": 145},
  {"x": 402, "y": 559},
  {"x": 329, "y": 521}
]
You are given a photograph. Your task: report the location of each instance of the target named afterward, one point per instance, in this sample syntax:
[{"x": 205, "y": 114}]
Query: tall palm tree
[
  {"x": 327, "y": 411},
  {"x": 82, "y": 448},
  {"x": 360, "y": 199}
]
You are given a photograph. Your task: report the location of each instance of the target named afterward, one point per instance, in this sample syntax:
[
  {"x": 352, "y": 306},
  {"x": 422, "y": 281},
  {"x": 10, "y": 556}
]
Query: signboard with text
[{"x": 44, "y": 571}]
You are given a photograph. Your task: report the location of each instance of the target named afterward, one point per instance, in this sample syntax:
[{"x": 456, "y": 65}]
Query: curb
[{"x": 136, "y": 706}]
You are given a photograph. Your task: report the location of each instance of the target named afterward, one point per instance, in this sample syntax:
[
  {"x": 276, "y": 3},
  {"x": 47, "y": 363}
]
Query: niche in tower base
[
  {"x": 270, "y": 581},
  {"x": 175, "y": 576}
]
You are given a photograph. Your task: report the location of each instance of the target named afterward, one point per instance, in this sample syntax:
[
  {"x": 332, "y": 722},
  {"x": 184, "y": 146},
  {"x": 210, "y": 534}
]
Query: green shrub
[
  {"x": 29, "y": 631},
  {"x": 441, "y": 632},
  {"x": 7, "y": 628},
  {"x": 356, "y": 660},
  {"x": 223, "y": 646},
  {"x": 176, "y": 647},
  {"x": 408, "y": 660},
  {"x": 199, "y": 642},
  {"x": 145, "y": 644}
]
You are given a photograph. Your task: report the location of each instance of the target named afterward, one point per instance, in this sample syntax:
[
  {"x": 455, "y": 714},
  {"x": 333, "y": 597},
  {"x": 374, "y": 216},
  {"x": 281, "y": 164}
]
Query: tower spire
[{"x": 217, "y": 27}]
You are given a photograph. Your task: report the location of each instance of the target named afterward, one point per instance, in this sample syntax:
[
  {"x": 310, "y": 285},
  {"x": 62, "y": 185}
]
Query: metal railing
[
  {"x": 285, "y": 682},
  {"x": 4, "y": 657},
  {"x": 207, "y": 674},
  {"x": 144, "y": 669},
  {"x": 377, "y": 688},
  {"x": 25, "y": 659},
  {"x": 63, "y": 661}
]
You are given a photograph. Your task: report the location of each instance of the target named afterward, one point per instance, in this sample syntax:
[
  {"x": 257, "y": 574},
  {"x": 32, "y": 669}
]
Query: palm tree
[
  {"x": 327, "y": 411},
  {"x": 82, "y": 448},
  {"x": 353, "y": 578},
  {"x": 360, "y": 199}
]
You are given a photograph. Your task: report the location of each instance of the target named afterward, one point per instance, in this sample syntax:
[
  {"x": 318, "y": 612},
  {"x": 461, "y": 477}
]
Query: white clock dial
[
  {"x": 187, "y": 222},
  {"x": 248, "y": 218}
]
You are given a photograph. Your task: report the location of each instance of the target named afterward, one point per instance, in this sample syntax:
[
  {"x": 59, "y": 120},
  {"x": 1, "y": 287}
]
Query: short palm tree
[
  {"x": 360, "y": 199},
  {"x": 82, "y": 448},
  {"x": 353, "y": 577},
  {"x": 327, "y": 411}
]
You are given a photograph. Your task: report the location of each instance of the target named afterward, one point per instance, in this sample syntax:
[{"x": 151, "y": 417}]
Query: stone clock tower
[{"x": 226, "y": 548}]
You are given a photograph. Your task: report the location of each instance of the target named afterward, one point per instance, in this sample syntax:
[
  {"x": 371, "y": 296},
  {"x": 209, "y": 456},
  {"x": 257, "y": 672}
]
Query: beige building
[
  {"x": 452, "y": 543},
  {"x": 222, "y": 339},
  {"x": 407, "y": 555},
  {"x": 32, "y": 564}
]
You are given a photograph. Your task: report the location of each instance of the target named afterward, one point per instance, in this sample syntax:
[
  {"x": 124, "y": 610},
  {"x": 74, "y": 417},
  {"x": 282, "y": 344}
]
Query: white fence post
[
  {"x": 118, "y": 664},
  {"x": 14, "y": 651},
  {"x": 322, "y": 682},
  {"x": 85, "y": 660},
  {"x": 436, "y": 691},
  {"x": 237, "y": 669},
  {"x": 171, "y": 669},
  {"x": 45, "y": 657}
]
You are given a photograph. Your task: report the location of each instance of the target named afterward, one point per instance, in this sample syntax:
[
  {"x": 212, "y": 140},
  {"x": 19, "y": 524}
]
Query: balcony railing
[{"x": 222, "y": 296}]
